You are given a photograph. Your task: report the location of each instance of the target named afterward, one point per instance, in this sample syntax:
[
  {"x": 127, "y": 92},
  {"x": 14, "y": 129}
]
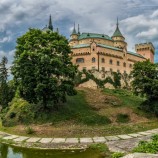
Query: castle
[
  {"x": 102, "y": 52},
  {"x": 93, "y": 51}
]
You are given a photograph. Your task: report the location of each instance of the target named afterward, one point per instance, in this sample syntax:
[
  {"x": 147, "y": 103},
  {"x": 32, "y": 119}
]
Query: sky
[{"x": 138, "y": 20}]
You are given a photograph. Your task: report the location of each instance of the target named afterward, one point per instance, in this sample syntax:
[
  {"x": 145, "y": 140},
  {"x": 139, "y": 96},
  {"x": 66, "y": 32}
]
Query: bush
[
  {"x": 117, "y": 155},
  {"x": 150, "y": 106},
  {"x": 20, "y": 111},
  {"x": 29, "y": 130},
  {"x": 123, "y": 118},
  {"x": 12, "y": 114},
  {"x": 148, "y": 147}
]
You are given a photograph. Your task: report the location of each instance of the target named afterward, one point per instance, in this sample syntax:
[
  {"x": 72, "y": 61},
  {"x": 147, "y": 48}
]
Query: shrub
[
  {"x": 29, "y": 130},
  {"x": 12, "y": 114},
  {"x": 148, "y": 147},
  {"x": 117, "y": 155},
  {"x": 122, "y": 118},
  {"x": 20, "y": 111}
]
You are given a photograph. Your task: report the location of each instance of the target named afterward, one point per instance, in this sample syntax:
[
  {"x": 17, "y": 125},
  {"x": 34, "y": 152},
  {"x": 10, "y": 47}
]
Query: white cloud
[
  {"x": 151, "y": 33},
  {"x": 138, "y": 21},
  {"x": 5, "y": 39}
]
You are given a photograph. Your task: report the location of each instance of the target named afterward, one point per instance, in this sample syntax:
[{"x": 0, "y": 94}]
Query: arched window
[
  {"x": 93, "y": 60},
  {"x": 118, "y": 63},
  {"x": 80, "y": 60},
  {"x": 124, "y": 64},
  {"x": 110, "y": 62},
  {"x": 103, "y": 60}
]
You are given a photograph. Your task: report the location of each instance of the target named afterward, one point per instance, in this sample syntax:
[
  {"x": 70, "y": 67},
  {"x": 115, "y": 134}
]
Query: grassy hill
[{"x": 91, "y": 113}]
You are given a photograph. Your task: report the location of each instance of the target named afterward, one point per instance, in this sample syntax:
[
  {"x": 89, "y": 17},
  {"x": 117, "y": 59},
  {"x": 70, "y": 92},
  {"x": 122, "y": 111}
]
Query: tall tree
[
  {"x": 4, "y": 89},
  {"x": 42, "y": 68},
  {"x": 145, "y": 79}
]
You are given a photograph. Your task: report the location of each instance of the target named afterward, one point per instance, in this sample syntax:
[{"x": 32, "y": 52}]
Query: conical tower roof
[
  {"x": 74, "y": 31},
  {"x": 117, "y": 32},
  {"x": 50, "y": 26}
]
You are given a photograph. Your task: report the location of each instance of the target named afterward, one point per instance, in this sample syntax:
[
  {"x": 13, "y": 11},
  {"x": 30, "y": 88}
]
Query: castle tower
[
  {"x": 74, "y": 37},
  {"x": 119, "y": 40},
  {"x": 50, "y": 26},
  {"x": 147, "y": 50},
  {"x": 74, "y": 34}
]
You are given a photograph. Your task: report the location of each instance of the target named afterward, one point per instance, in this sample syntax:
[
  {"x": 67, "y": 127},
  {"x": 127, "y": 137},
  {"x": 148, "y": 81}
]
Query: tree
[
  {"x": 145, "y": 79},
  {"x": 4, "y": 89},
  {"x": 42, "y": 68}
]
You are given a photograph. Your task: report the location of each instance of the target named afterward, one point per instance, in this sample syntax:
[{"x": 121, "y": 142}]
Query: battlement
[{"x": 145, "y": 46}]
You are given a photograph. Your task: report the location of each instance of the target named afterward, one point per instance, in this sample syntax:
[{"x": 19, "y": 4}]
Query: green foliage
[
  {"x": 145, "y": 83},
  {"x": 5, "y": 89},
  {"x": 145, "y": 79},
  {"x": 148, "y": 147},
  {"x": 150, "y": 106},
  {"x": 29, "y": 130},
  {"x": 42, "y": 68},
  {"x": 126, "y": 79},
  {"x": 116, "y": 81},
  {"x": 122, "y": 118},
  {"x": 19, "y": 111},
  {"x": 117, "y": 155}
]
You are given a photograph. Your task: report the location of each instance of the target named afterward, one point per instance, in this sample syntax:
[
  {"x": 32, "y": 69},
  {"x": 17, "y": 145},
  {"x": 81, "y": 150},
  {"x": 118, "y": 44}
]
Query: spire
[
  {"x": 117, "y": 22},
  {"x": 74, "y": 29},
  {"x": 50, "y": 26},
  {"x": 117, "y": 32},
  {"x": 57, "y": 30},
  {"x": 78, "y": 29}
]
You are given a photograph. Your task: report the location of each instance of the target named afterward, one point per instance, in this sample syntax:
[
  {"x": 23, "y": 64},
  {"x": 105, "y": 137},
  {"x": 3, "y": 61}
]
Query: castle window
[
  {"x": 118, "y": 63},
  {"x": 103, "y": 60},
  {"x": 93, "y": 60},
  {"x": 110, "y": 62},
  {"x": 124, "y": 64},
  {"x": 110, "y": 69},
  {"x": 80, "y": 60},
  {"x": 130, "y": 65}
]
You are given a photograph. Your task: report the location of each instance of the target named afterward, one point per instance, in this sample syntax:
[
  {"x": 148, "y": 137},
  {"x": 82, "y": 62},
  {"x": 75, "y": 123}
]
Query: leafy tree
[
  {"x": 42, "y": 68},
  {"x": 4, "y": 89},
  {"x": 145, "y": 82},
  {"x": 145, "y": 79}
]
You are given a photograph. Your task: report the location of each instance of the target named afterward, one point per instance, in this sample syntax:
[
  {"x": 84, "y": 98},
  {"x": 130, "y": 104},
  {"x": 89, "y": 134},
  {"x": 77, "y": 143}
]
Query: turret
[
  {"x": 50, "y": 26},
  {"x": 74, "y": 37},
  {"x": 74, "y": 34},
  {"x": 119, "y": 40},
  {"x": 147, "y": 50}
]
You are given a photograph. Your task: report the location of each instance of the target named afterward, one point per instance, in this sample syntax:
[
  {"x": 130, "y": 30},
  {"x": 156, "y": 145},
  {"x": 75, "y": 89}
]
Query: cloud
[
  {"x": 151, "y": 33},
  {"x": 138, "y": 21}
]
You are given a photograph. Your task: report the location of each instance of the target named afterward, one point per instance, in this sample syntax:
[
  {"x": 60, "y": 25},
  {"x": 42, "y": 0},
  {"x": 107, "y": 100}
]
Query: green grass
[
  {"x": 148, "y": 147},
  {"x": 128, "y": 98},
  {"x": 77, "y": 110}
]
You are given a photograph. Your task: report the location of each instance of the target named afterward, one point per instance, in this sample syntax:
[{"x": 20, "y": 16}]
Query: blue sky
[{"x": 138, "y": 19}]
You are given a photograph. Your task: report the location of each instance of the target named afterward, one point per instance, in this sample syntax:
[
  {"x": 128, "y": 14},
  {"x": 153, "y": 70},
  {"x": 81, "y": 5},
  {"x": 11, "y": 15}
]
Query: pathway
[{"x": 118, "y": 143}]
